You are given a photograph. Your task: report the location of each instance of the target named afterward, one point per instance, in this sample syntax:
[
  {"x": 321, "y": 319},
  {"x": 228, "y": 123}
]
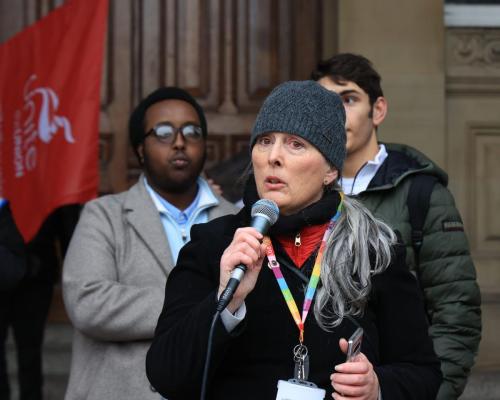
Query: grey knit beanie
[{"x": 308, "y": 110}]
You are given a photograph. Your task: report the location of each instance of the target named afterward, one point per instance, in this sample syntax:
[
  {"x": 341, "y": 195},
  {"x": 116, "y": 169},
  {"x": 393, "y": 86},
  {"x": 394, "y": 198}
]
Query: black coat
[{"x": 248, "y": 362}]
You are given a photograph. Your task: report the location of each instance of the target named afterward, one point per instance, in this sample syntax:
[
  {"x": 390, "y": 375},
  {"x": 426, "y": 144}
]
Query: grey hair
[{"x": 358, "y": 248}]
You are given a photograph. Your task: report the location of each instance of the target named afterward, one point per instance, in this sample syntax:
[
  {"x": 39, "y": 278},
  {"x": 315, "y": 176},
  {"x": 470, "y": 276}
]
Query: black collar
[{"x": 317, "y": 213}]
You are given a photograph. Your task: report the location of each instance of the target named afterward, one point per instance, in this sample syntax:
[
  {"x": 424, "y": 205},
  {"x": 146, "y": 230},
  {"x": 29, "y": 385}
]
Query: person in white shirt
[{"x": 387, "y": 179}]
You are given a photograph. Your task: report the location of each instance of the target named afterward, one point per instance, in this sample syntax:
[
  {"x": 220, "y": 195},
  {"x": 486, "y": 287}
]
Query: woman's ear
[
  {"x": 331, "y": 174},
  {"x": 379, "y": 111}
]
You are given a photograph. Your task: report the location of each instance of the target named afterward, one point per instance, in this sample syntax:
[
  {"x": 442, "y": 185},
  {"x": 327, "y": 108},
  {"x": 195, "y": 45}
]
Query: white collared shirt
[{"x": 358, "y": 184}]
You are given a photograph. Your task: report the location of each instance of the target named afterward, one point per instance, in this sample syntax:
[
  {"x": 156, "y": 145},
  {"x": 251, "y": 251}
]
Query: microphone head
[{"x": 267, "y": 209}]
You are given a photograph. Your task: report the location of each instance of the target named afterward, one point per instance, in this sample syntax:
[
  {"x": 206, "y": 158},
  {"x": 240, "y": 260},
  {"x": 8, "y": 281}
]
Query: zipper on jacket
[{"x": 297, "y": 239}]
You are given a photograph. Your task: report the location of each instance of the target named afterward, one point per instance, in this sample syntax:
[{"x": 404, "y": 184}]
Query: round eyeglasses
[{"x": 167, "y": 133}]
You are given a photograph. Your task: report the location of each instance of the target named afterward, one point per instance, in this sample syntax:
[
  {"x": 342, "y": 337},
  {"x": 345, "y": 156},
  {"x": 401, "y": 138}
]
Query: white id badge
[{"x": 294, "y": 389}]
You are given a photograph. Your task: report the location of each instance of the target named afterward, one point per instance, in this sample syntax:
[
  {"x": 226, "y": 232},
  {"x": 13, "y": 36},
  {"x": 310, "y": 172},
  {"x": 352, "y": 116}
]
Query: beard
[
  {"x": 173, "y": 180},
  {"x": 164, "y": 184}
]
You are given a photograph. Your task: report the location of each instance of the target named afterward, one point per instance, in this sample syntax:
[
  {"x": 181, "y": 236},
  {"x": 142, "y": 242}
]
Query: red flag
[{"x": 50, "y": 76}]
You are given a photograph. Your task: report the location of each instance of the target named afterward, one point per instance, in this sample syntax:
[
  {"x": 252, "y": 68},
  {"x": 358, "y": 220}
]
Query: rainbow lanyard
[{"x": 313, "y": 282}]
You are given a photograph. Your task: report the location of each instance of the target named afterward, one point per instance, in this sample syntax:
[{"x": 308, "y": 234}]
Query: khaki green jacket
[{"x": 446, "y": 272}]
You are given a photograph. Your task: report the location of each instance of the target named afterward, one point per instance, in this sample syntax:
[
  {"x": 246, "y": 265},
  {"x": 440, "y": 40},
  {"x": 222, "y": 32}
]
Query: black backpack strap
[{"x": 418, "y": 202}]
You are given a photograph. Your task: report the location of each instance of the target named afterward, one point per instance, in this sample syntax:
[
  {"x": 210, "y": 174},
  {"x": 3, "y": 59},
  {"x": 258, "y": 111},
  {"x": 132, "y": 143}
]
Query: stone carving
[{"x": 475, "y": 47}]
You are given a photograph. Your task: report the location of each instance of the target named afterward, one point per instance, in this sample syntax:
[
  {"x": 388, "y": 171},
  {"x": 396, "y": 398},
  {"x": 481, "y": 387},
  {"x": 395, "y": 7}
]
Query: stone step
[{"x": 483, "y": 385}]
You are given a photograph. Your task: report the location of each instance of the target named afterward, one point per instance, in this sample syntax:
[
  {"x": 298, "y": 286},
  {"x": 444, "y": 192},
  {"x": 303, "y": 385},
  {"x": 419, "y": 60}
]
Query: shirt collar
[
  {"x": 371, "y": 166},
  {"x": 379, "y": 157},
  {"x": 204, "y": 198},
  {"x": 360, "y": 182}
]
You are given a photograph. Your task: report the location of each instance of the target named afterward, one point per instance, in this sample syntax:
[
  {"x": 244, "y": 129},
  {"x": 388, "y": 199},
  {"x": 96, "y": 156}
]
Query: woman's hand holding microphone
[{"x": 246, "y": 248}]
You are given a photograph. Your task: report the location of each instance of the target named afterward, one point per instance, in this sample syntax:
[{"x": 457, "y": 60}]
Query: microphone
[{"x": 264, "y": 214}]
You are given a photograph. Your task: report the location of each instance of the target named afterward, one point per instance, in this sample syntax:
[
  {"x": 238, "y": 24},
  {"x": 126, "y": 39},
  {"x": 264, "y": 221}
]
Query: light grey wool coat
[{"x": 114, "y": 279}]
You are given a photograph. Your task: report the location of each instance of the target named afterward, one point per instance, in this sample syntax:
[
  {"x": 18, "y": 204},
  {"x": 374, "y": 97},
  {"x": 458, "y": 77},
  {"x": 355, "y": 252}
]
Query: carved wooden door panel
[{"x": 227, "y": 53}]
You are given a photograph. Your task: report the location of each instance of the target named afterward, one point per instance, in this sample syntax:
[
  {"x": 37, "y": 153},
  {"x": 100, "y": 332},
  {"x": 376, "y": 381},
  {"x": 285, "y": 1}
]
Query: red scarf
[{"x": 310, "y": 238}]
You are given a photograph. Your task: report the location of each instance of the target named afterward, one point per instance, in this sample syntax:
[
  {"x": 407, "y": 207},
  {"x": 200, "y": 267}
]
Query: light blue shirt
[
  {"x": 177, "y": 223},
  {"x": 2, "y": 202}
]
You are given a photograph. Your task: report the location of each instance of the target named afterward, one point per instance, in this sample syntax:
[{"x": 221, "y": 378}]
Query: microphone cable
[{"x": 209, "y": 356}]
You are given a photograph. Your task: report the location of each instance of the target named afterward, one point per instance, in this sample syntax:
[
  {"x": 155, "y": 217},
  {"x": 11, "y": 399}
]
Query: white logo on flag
[
  {"x": 48, "y": 122},
  {"x": 28, "y": 125}
]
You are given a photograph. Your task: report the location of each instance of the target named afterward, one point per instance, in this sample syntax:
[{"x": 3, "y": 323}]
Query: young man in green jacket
[{"x": 380, "y": 175}]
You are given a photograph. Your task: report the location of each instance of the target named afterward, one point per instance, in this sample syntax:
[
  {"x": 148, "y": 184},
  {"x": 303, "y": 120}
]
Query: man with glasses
[{"x": 126, "y": 244}]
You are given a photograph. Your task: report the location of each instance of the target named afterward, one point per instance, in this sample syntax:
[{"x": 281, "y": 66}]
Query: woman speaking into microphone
[{"x": 325, "y": 269}]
